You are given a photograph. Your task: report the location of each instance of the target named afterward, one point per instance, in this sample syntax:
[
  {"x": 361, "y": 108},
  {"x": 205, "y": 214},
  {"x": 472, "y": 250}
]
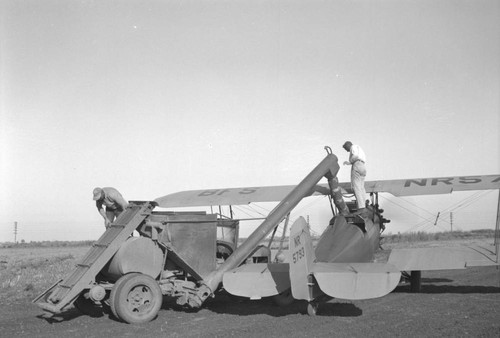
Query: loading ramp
[{"x": 63, "y": 293}]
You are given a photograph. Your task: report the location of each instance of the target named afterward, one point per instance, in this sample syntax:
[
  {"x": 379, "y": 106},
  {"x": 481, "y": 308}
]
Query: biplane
[
  {"x": 190, "y": 256},
  {"x": 341, "y": 265}
]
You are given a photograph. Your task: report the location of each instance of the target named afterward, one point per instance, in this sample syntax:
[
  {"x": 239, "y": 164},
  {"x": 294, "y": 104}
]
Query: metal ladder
[{"x": 66, "y": 291}]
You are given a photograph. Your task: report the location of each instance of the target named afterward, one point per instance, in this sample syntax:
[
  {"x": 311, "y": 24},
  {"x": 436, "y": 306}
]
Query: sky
[{"x": 155, "y": 97}]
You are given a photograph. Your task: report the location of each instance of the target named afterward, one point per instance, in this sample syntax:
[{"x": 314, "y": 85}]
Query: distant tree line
[
  {"x": 436, "y": 236},
  {"x": 46, "y": 244},
  {"x": 420, "y": 236},
  {"x": 388, "y": 238}
]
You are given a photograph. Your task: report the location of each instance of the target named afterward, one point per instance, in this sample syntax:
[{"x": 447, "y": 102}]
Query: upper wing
[
  {"x": 402, "y": 187},
  {"x": 231, "y": 196},
  {"x": 434, "y": 185}
]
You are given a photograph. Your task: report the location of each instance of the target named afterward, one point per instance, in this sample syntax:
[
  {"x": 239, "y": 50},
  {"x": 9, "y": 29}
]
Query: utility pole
[
  {"x": 497, "y": 227},
  {"x": 451, "y": 221},
  {"x": 15, "y": 232}
]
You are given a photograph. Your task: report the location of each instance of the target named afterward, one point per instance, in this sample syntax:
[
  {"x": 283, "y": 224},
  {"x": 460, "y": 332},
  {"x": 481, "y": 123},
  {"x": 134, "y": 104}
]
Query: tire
[
  {"x": 415, "y": 281},
  {"x": 223, "y": 251},
  {"x": 312, "y": 308},
  {"x": 112, "y": 295},
  {"x": 136, "y": 298}
]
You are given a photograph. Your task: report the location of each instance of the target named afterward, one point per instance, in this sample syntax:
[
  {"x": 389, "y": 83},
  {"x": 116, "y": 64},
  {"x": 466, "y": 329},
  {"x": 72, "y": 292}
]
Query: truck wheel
[
  {"x": 112, "y": 295},
  {"x": 136, "y": 298}
]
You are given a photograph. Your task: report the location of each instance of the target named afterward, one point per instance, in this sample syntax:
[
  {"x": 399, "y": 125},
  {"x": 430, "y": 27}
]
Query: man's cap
[
  {"x": 346, "y": 144},
  {"x": 97, "y": 193}
]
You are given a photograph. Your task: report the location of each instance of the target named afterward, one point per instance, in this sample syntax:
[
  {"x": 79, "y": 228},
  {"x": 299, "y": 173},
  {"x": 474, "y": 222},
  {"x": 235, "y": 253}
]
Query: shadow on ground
[
  {"x": 61, "y": 317},
  {"x": 225, "y": 304},
  {"x": 431, "y": 286}
]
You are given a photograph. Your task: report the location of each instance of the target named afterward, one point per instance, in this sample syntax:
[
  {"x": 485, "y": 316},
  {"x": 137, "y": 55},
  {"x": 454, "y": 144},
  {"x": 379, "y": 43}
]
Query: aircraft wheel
[
  {"x": 136, "y": 298},
  {"x": 223, "y": 251},
  {"x": 415, "y": 281},
  {"x": 312, "y": 308},
  {"x": 88, "y": 307},
  {"x": 284, "y": 299}
]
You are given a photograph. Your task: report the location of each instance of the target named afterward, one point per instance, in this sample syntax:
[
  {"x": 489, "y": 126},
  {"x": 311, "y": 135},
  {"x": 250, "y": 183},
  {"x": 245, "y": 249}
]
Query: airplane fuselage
[{"x": 349, "y": 240}]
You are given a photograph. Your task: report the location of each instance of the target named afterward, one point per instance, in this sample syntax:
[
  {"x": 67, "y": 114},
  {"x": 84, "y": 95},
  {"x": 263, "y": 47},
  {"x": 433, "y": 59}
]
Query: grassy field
[{"x": 26, "y": 270}]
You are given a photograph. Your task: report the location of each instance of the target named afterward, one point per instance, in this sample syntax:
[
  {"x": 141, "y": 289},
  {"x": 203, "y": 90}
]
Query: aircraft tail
[
  {"x": 301, "y": 260},
  {"x": 309, "y": 279}
]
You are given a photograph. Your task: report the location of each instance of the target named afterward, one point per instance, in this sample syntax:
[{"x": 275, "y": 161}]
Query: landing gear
[
  {"x": 223, "y": 251},
  {"x": 415, "y": 281},
  {"x": 284, "y": 299},
  {"x": 136, "y": 298},
  {"x": 312, "y": 308}
]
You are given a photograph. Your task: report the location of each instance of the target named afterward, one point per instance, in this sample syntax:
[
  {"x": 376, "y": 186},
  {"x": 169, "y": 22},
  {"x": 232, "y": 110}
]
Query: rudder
[{"x": 301, "y": 258}]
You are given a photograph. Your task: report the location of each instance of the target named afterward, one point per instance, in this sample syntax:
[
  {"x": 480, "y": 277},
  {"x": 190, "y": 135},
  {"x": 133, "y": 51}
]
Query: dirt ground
[{"x": 453, "y": 303}]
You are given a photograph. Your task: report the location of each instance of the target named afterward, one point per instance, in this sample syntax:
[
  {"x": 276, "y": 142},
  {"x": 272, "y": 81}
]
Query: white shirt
[{"x": 356, "y": 154}]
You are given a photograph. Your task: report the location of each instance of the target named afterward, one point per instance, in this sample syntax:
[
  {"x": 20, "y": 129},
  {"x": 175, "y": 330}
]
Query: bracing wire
[
  {"x": 427, "y": 223},
  {"x": 241, "y": 210},
  {"x": 267, "y": 211},
  {"x": 470, "y": 201},
  {"x": 409, "y": 210},
  {"x": 251, "y": 209},
  {"x": 416, "y": 206}
]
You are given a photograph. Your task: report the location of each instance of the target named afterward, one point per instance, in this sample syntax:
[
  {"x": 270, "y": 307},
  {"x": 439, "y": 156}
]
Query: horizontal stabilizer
[
  {"x": 356, "y": 280},
  {"x": 257, "y": 280},
  {"x": 418, "y": 259}
]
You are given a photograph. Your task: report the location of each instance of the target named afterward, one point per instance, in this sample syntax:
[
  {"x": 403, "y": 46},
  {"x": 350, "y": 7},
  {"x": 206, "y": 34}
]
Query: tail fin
[{"x": 301, "y": 260}]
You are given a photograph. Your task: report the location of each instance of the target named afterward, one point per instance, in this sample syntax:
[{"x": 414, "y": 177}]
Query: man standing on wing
[
  {"x": 114, "y": 202},
  {"x": 357, "y": 159}
]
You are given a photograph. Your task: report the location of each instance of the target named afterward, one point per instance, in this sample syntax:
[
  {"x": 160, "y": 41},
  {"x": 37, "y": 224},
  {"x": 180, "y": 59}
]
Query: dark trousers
[{"x": 112, "y": 214}]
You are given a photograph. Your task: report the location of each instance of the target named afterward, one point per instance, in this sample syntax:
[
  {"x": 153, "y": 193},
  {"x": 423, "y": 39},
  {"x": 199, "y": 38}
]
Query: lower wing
[{"x": 442, "y": 258}]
